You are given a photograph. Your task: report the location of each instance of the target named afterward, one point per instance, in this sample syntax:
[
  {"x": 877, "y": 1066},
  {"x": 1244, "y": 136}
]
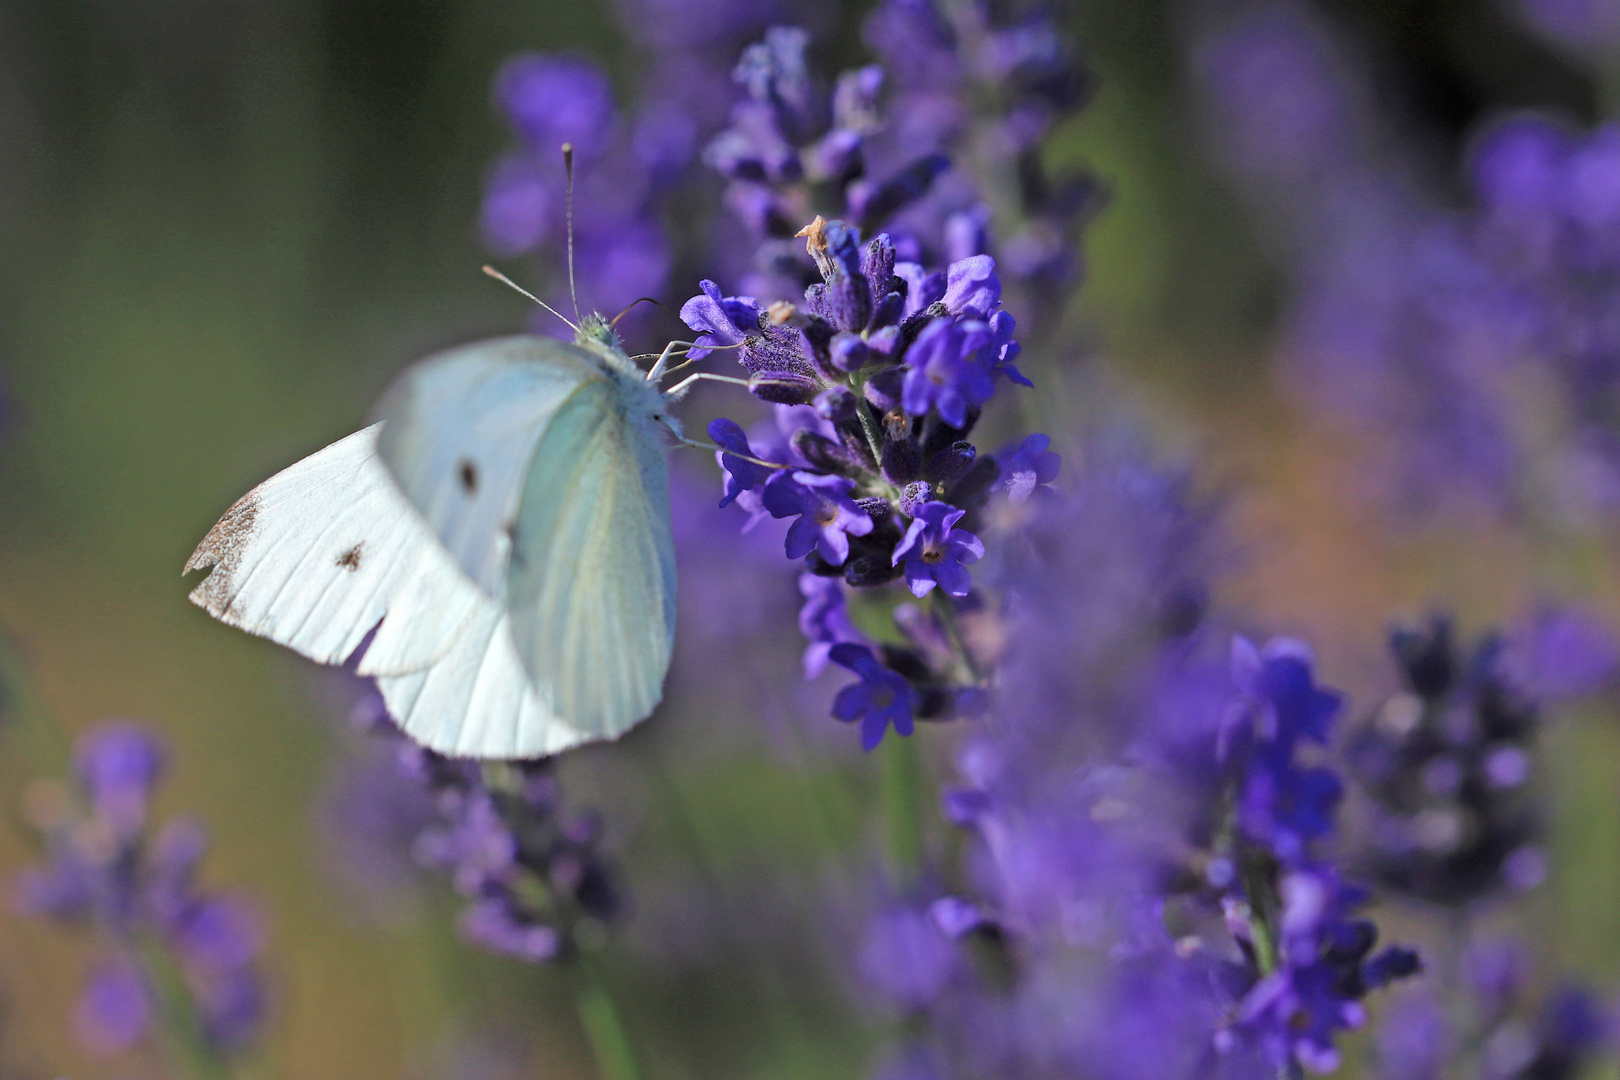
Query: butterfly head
[{"x": 595, "y": 334}]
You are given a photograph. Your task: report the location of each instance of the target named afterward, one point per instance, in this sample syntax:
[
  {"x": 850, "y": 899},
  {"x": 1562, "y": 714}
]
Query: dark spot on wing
[
  {"x": 469, "y": 476},
  {"x": 350, "y": 560}
]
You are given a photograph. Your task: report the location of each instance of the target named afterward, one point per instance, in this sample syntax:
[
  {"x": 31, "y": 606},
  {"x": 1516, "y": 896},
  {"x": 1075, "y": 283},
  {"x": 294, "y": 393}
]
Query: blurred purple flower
[
  {"x": 824, "y": 621},
  {"x": 114, "y": 1011},
  {"x": 107, "y": 871},
  {"x": 1029, "y": 467},
  {"x": 905, "y": 957}
]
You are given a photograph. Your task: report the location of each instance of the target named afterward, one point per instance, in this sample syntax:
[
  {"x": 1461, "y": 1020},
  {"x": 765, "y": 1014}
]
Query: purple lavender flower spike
[
  {"x": 1029, "y": 467},
  {"x": 824, "y": 621},
  {"x": 107, "y": 870},
  {"x": 741, "y": 474},
  {"x": 935, "y": 553},
  {"x": 972, "y": 287},
  {"x": 944, "y": 371},
  {"x": 881, "y": 698},
  {"x": 827, "y": 516}
]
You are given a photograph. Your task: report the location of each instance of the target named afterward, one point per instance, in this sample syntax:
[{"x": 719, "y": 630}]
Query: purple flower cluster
[
  {"x": 939, "y": 144},
  {"x": 889, "y": 366},
  {"x": 1419, "y": 328},
  {"x": 105, "y": 869},
  {"x": 1448, "y": 762},
  {"x": 1311, "y": 959},
  {"x": 1145, "y": 833},
  {"x": 535, "y": 881}
]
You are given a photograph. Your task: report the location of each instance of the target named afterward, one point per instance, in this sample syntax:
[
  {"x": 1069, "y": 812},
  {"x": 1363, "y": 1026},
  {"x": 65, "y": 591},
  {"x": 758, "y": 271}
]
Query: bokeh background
[{"x": 227, "y": 223}]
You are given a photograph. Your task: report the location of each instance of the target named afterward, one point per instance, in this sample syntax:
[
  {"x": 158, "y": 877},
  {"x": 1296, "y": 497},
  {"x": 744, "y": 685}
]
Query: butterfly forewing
[
  {"x": 315, "y": 556},
  {"x": 461, "y": 429},
  {"x": 591, "y": 588}
]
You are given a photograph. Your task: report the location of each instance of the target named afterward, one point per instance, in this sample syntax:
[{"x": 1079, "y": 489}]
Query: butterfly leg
[
  {"x": 678, "y": 391},
  {"x": 661, "y": 367}
]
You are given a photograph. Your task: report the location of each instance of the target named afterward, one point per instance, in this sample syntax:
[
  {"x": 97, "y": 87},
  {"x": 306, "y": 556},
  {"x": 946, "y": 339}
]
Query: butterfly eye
[{"x": 469, "y": 476}]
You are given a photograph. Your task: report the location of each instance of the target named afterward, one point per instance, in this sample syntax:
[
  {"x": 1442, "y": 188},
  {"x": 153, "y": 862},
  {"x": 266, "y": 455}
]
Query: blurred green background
[{"x": 226, "y": 223}]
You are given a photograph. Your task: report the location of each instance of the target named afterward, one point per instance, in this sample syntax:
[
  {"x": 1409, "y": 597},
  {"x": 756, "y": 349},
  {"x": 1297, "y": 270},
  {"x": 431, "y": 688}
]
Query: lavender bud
[
  {"x": 887, "y": 311},
  {"x": 914, "y": 495},
  {"x": 836, "y": 404},
  {"x": 877, "y": 262},
  {"x": 905, "y": 187},
  {"x": 822, "y": 453},
  {"x": 877, "y": 508},
  {"x": 818, "y": 332},
  {"x": 896, "y": 424},
  {"x": 882, "y": 343},
  {"x": 901, "y": 461},
  {"x": 946, "y": 465},
  {"x": 848, "y": 351},
  {"x": 971, "y": 487},
  {"x": 883, "y": 389},
  {"x": 859, "y": 451},
  {"x": 782, "y": 387},
  {"x": 914, "y": 324},
  {"x": 867, "y": 570}
]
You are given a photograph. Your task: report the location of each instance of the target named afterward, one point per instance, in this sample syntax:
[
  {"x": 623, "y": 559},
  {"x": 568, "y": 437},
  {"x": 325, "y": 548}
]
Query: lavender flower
[
  {"x": 945, "y": 371},
  {"x": 826, "y": 517},
  {"x": 824, "y": 621},
  {"x": 103, "y": 870},
  {"x": 882, "y": 697},
  {"x": 936, "y": 553},
  {"x": 741, "y": 474},
  {"x": 1028, "y": 469}
]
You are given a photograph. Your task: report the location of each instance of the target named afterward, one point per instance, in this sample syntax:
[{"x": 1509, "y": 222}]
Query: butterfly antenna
[
  {"x": 633, "y": 303},
  {"x": 568, "y": 167},
  {"x": 504, "y": 280}
]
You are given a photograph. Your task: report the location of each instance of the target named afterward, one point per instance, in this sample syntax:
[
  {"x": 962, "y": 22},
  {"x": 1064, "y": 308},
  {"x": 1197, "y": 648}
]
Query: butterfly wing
[
  {"x": 316, "y": 556},
  {"x": 591, "y": 585},
  {"x": 461, "y": 428}
]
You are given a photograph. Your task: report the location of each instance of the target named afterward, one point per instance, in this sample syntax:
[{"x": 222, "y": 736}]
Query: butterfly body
[{"x": 502, "y": 536}]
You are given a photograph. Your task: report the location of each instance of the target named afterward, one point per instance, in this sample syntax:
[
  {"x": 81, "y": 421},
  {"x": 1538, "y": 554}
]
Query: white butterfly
[{"x": 504, "y": 527}]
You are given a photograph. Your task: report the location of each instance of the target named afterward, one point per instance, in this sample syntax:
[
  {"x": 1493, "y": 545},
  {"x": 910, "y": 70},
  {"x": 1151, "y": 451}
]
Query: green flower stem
[
  {"x": 902, "y": 809},
  {"x": 179, "y": 1031},
  {"x": 610, "y": 1043}
]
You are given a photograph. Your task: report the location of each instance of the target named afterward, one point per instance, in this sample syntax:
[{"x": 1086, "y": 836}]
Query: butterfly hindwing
[
  {"x": 461, "y": 429},
  {"x": 591, "y": 587}
]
